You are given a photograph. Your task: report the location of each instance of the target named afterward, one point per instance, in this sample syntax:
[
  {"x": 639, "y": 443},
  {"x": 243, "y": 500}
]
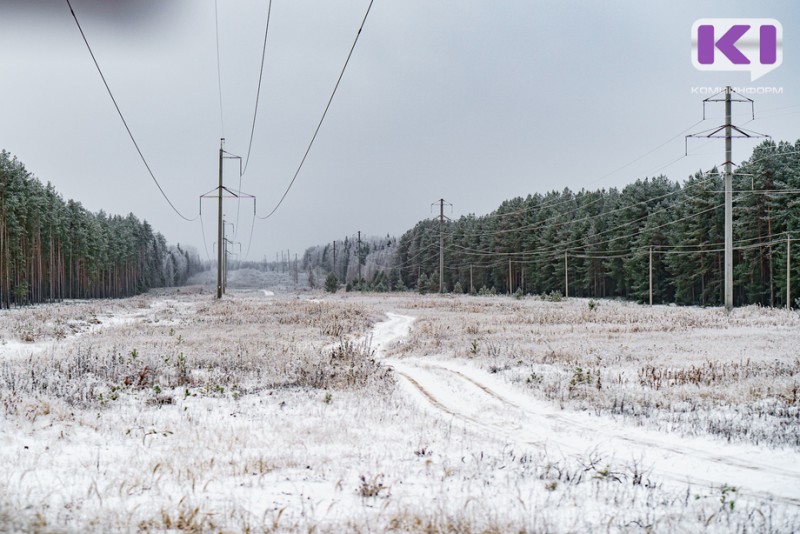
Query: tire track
[{"x": 465, "y": 394}]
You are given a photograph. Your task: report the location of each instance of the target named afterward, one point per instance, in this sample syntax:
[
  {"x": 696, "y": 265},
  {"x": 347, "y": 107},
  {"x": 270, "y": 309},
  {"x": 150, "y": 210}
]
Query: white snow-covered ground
[{"x": 407, "y": 413}]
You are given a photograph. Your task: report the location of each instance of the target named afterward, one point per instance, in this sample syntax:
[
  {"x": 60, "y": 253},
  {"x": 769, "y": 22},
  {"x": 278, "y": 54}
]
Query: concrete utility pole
[
  {"x": 788, "y": 272},
  {"x": 566, "y": 275},
  {"x": 441, "y": 245},
  {"x": 728, "y": 205},
  {"x": 359, "y": 256},
  {"x": 220, "y": 242},
  {"x": 471, "y": 286},
  {"x": 221, "y": 189},
  {"x": 728, "y": 136},
  {"x": 651, "y": 276},
  {"x": 442, "y": 202},
  {"x": 510, "y": 280}
]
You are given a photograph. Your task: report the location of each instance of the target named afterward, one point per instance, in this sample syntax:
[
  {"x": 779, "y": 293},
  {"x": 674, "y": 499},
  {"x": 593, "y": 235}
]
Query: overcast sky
[{"x": 473, "y": 101}]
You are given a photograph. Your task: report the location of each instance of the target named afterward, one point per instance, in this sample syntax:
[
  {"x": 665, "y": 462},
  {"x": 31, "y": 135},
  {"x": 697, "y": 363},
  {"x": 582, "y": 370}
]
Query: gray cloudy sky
[{"x": 473, "y": 101}]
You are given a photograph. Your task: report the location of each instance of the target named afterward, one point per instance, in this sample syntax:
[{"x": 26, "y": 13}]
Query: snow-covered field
[{"x": 278, "y": 411}]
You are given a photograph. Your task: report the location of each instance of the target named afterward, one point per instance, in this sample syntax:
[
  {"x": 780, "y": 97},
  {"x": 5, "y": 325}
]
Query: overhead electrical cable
[
  {"x": 324, "y": 113},
  {"x": 124, "y": 122},
  {"x": 560, "y": 216},
  {"x": 219, "y": 69},
  {"x": 252, "y": 133},
  {"x": 654, "y": 170},
  {"x": 205, "y": 246},
  {"x": 258, "y": 90},
  {"x": 645, "y": 154},
  {"x": 685, "y": 189},
  {"x": 640, "y": 251}
]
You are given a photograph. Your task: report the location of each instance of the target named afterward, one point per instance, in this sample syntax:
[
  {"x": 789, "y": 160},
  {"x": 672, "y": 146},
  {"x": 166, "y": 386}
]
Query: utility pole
[
  {"x": 442, "y": 202},
  {"x": 510, "y": 280},
  {"x": 651, "y": 276},
  {"x": 334, "y": 257},
  {"x": 221, "y": 190},
  {"x": 220, "y": 242},
  {"x": 225, "y": 243},
  {"x": 566, "y": 275},
  {"x": 441, "y": 245},
  {"x": 788, "y": 272},
  {"x": 728, "y": 205},
  {"x": 471, "y": 286},
  {"x": 728, "y": 128},
  {"x": 359, "y": 256}
]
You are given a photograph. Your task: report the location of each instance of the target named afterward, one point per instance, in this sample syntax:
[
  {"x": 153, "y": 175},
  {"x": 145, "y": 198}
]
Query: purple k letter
[{"x": 726, "y": 44}]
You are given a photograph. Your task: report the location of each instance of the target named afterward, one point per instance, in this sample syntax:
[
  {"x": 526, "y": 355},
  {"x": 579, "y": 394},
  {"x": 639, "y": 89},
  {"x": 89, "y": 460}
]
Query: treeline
[
  {"x": 365, "y": 264},
  {"x": 51, "y": 249},
  {"x": 600, "y": 242}
]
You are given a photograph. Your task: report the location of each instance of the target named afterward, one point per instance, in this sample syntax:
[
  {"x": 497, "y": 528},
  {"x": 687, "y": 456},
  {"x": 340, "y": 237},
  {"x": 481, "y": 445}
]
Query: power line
[
  {"x": 646, "y": 153},
  {"x": 258, "y": 91},
  {"x": 654, "y": 170},
  {"x": 681, "y": 190},
  {"x": 124, "y": 122},
  {"x": 252, "y": 132},
  {"x": 324, "y": 113},
  {"x": 205, "y": 245},
  {"x": 560, "y": 216},
  {"x": 250, "y": 239},
  {"x": 219, "y": 70}
]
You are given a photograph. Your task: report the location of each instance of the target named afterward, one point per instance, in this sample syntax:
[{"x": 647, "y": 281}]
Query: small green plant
[
  {"x": 554, "y": 296},
  {"x": 551, "y": 486},
  {"x": 331, "y": 283},
  {"x": 328, "y": 398},
  {"x": 457, "y": 288},
  {"x": 473, "y": 349},
  {"x": 533, "y": 378},
  {"x": 518, "y": 294},
  {"x": 579, "y": 377},
  {"x": 422, "y": 284},
  {"x": 157, "y": 389},
  {"x": 593, "y": 305},
  {"x": 726, "y": 494}
]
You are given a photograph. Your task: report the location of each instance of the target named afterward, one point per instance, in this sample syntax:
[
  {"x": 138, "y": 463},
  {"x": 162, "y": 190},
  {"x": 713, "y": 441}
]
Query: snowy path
[{"x": 491, "y": 407}]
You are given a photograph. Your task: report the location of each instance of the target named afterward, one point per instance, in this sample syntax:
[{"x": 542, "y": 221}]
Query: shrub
[
  {"x": 554, "y": 296},
  {"x": 331, "y": 283},
  {"x": 422, "y": 284}
]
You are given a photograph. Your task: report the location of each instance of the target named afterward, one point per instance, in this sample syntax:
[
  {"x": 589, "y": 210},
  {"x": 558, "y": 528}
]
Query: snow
[{"x": 449, "y": 441}]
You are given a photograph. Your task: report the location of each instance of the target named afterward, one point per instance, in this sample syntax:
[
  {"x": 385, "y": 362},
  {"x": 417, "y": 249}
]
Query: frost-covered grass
[
  {"x": 691, "y": 371},
  {"x": 272, "y": 414}
]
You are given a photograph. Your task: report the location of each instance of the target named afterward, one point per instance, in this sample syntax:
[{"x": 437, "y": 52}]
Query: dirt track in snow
[{"x": 486, "y": 405}]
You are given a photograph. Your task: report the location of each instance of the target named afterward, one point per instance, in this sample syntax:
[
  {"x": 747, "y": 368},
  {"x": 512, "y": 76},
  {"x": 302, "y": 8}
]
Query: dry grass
[
  {"x": 272, "y": 415},
  {"x": 690, "y": 370}
]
